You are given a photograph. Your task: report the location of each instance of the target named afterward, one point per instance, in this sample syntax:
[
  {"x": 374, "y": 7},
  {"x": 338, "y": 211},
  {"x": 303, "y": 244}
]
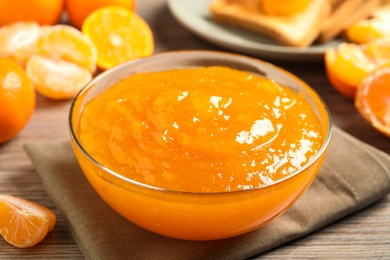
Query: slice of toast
[
  {"x": 344, "y": 13},
  {"x": 298, "y": 30}
]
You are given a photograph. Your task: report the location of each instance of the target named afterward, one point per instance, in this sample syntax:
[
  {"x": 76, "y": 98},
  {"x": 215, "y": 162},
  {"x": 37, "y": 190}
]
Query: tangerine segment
[
  {"x": 284, "y": 7},
  {"x": 68, "y": 43},
  {"x": 17, "y": 99},
  {"x": 24, "y": 223},
  {"x": 18, "y": 40},
  {"x": 79, "y": 10},
  {"x": 346, "y": 67},
  {"x": 365, "y": 31},
  {"x": 119, "y": 35},
  {"x": 373, "y": 99},
  {"x": 56, "y": 79}
]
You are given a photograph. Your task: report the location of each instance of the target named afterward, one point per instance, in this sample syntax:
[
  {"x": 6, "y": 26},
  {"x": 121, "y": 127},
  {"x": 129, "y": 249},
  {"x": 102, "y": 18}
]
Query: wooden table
[{"x": 365, "y": 234}]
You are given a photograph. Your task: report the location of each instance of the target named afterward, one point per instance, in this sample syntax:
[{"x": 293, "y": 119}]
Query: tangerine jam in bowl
[{"x": 199, "y": 145}]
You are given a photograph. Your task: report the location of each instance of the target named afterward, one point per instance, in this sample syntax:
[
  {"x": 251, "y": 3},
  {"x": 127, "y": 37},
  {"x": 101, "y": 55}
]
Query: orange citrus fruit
[
  {"x": 55, "y": 78},
  {"x": 24, "y": 223},
  {"x": 79, "y": 10},
  {"x": 346, "y": 67},
  {"x": 373, "y": 99},
  {"x": 67, "y": 43},
  {"x": 379, "y": 50},
  {"x": 18, "y": 40},
  {"x": 365, "y": 31},
  {"x": 283, "y": 7},
  {"x": 119, "y": 35},
  {"x": 40, "y": 11},
  {"x": 17, "y": 99}
]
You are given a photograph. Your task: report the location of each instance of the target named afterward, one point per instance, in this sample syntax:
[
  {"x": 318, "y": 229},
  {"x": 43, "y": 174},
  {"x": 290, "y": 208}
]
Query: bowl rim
[{"x": 207, "y": 53}]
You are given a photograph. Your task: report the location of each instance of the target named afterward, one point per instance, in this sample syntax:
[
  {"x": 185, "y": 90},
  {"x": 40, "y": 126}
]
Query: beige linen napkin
[{"x": 353, "y": 176}]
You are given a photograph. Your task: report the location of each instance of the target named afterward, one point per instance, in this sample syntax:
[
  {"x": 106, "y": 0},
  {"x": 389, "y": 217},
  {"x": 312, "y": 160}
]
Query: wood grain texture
[{"x": 365, "y": 235}]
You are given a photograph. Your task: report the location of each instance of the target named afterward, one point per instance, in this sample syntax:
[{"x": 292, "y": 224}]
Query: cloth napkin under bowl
[{"x": 354, "y": 175}]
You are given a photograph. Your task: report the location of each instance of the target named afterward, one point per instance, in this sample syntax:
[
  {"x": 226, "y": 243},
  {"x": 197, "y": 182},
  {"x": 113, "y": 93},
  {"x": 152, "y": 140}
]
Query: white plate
[{"x": 195, "y": 16}]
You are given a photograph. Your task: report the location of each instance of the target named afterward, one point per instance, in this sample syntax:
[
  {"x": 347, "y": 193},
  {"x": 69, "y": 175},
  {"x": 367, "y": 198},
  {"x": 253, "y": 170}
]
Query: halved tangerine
[{"x": 119, "y": 35}]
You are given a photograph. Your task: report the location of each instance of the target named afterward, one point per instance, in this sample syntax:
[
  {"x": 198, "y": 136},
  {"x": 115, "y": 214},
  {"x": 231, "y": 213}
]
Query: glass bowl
[{"x": 196, "y": 215}]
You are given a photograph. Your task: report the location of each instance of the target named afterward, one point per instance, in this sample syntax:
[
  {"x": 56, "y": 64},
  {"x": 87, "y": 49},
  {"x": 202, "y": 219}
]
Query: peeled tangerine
[
  {"x": 367, "y": 30},
  {"x": 347, "y": 66},
  {"x": 55, "y": 78},
  {"x": 59, "y": 59},
  {"x": 18, "y": 40},
  {"x": 68, "y": 43}
]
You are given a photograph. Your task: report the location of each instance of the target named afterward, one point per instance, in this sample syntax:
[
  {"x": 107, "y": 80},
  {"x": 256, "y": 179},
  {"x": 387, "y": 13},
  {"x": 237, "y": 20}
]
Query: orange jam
[{"x": 208, "y": 129}]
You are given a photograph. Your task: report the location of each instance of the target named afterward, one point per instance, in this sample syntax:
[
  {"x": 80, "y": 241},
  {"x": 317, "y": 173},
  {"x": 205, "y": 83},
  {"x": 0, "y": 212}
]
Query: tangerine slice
[
  {"x": 346, "y": 67},
  {"x": 55, "y": 78},
  {"x": 67, "y": 43},
  {"x": 24, "y": 223},
  {"x": 373, "y": 99},
  {"x": 119, "y": 35},
  {"x": 18, "y": 40},
  {"x": 365, "y": 31}
]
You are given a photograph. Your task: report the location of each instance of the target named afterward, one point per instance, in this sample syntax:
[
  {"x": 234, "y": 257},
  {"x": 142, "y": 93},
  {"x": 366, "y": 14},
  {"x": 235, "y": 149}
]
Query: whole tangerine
[
  {"x": 17, "y": 99},
  {"x": 41, "y": 11},
  {"x": 79, "y": 10}
]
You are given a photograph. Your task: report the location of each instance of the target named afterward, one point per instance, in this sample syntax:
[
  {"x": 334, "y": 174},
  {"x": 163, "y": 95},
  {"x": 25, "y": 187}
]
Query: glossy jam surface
[{"x": 207, "y": 129}]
